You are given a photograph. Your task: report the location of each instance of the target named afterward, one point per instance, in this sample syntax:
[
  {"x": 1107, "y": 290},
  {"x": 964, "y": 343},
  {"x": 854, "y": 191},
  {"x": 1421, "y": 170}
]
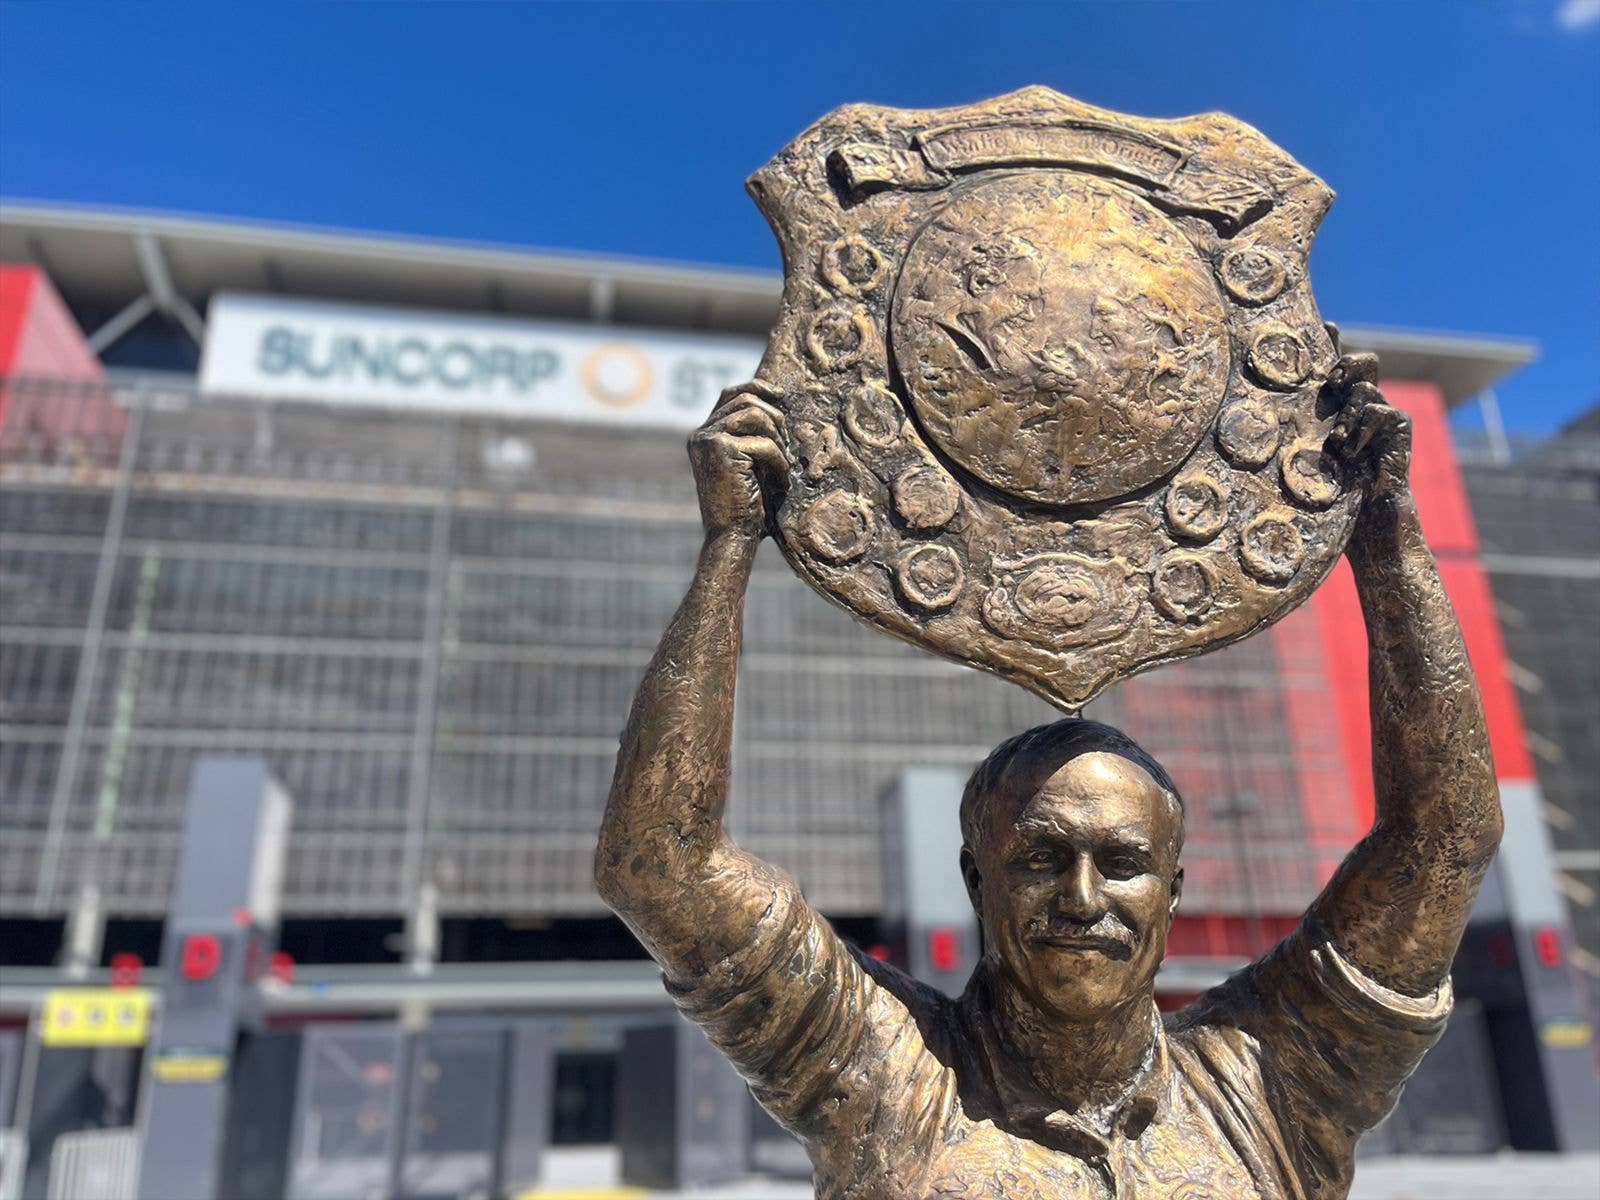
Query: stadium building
[
  {"x": 1537, "y": 509},
  {"x": 405, "y": 519}
]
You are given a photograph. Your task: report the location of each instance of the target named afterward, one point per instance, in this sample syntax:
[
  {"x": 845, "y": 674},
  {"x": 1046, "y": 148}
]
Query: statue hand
[
  {"x": 1371, "y": 437},
  {"x": 734, "y": 453}
]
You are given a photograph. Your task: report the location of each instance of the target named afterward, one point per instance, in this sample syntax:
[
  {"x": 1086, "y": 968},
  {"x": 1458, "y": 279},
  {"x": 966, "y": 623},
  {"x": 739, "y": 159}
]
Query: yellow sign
[
  {"x": 1566, "y": 1035},
  {"x": 189, "y": 1066},
  {"x": 96, "y": 1017}
]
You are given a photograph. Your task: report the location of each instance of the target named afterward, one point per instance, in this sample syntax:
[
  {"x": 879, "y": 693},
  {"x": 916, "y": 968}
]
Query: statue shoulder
[{"x": 934, "y": 1013}]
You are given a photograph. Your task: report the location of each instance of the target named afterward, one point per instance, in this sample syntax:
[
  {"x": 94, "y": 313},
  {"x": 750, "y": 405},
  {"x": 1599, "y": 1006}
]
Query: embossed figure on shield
[{"x": 1048, "y": 395}]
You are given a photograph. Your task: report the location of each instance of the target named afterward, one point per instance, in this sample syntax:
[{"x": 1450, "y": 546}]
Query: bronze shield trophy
[{"x": 1051, "y": 377}]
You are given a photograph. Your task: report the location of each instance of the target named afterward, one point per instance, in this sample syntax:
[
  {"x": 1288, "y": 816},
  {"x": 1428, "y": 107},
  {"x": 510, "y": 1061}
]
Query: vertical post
[
  {"x": 420, "y": 775},
  {"x": 1494, "y": 427},
  {"x": 422, "y": 950},
  {"x": 925, "y": 898},
  {"x": 602, "y": 299},
  {"x": 28, "y": 1077},
  {"x": 220, "y": 927},
  {"x": 1541, "y": 943},
  {"x": 88, "y": 666},
  {"x": 85, "y": 930}
]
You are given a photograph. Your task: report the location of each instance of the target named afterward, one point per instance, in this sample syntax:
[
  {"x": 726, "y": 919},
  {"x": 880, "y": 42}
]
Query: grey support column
[
  {"x": 925, "y": 902},
  {"x": 220, "y": 930},
  {"x": 1542, "y": 942}
]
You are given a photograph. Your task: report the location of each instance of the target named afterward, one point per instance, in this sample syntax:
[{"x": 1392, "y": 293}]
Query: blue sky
[{"x": 1463, "y": 136}]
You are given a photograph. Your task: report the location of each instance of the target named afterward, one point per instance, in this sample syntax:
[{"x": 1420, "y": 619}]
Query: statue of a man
[{"x": 1054, "y": 1075}]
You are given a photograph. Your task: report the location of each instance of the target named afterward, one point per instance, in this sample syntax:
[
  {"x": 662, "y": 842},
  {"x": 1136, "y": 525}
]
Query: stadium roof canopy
[{"x": 134, "y": 263}]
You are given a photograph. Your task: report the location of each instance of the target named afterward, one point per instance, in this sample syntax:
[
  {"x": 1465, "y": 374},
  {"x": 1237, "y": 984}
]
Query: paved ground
[
  {"x": 1505, "y": 1177},
  {"x": 591, "y": 1174}
]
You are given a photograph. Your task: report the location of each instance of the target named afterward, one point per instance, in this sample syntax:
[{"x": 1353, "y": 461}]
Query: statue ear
[
  {"x": 1177, "y": 894},
  {"x": 973, "y": 878}
]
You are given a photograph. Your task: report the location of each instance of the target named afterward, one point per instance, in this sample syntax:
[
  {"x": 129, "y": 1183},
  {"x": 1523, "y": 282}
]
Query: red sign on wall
[
  {"x": 201, "y": 956},
  {"x": 126, "y": 969}
]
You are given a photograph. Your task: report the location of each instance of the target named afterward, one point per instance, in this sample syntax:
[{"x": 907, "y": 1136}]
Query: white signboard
[{"x": 306, "y": 350}]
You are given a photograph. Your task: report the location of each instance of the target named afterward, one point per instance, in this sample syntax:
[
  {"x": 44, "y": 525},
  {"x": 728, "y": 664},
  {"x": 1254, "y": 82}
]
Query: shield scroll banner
[{"x": 1053, "y": 383}]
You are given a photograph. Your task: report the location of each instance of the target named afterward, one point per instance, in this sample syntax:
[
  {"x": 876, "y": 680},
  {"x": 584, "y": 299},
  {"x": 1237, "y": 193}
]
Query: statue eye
[
  {"x": 1121, "y": 866},
  {"x": 1041, "y": 859}
]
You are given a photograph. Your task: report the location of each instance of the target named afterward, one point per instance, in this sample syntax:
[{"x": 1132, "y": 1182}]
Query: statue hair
[{"x": 1054, "y": 744}]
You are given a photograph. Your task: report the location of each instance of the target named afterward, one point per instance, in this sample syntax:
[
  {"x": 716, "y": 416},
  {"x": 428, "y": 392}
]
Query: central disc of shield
[{"x": 1059, "y": 337}]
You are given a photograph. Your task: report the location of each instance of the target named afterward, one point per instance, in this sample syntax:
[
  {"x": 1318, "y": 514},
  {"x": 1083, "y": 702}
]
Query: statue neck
[{"x": 1092, "y": 1062}]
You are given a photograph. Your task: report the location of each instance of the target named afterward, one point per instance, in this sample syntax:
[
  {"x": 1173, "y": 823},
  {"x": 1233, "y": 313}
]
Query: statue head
[{"x": 1071, "y": 836}]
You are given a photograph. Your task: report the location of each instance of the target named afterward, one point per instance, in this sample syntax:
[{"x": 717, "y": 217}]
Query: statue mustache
[{"x": 1115, "y": 938}]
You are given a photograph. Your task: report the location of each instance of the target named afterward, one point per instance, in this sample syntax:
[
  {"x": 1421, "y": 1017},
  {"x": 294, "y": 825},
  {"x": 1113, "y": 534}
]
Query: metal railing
[
  {"x": 13, "y": 1163},
  {"x": 100, "y": 1164}
]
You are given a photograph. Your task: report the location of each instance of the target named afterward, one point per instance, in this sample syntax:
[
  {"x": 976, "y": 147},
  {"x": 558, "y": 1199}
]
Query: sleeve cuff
[{"x": 1365, "y": 998}]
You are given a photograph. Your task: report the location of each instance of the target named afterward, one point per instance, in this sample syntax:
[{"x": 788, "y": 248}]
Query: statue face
[{"x": 1077, "y": 885}]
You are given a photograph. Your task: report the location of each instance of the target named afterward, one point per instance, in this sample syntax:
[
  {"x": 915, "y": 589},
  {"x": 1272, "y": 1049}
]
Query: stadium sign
[
  {"x": 306, "y": 350},
  {"x": 86, "y": 1016}
]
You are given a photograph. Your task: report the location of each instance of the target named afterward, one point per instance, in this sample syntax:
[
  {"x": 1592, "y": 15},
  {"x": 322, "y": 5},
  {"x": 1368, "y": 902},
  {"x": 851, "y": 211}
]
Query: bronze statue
[{"x": 1054, "y": 1076}]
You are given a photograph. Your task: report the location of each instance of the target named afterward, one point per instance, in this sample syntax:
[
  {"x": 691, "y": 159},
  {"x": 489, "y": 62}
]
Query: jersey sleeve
[
  {"x": 1334, "y": 1046},
  {"x": 834, "y": 1055}
]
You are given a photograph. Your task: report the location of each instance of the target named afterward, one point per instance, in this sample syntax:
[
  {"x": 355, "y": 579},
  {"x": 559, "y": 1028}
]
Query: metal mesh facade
[
  {"x": 433, "y": 627},
  {"x": 1538, "y": 519}
]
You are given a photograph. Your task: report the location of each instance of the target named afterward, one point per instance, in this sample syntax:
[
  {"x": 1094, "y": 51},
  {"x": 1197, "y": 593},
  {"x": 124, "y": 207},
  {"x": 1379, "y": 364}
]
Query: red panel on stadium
[{"x": 40, "y": 340}]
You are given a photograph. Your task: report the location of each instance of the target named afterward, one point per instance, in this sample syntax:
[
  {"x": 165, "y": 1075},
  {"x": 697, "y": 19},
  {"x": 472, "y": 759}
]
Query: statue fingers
[
  {"x": 1382, "y": 426},
  {"x": 747, "y": 395},
  {"x": 757, "y": 419},
  {"x": 761, "y": 450},
  {"x": 1353, "y": 369},
  {"x": 1346, "y": 436}
]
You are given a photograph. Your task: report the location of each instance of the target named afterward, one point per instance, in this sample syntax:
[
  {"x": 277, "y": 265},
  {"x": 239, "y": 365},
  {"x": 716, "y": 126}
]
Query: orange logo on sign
[{"x": 617, "y": 374}]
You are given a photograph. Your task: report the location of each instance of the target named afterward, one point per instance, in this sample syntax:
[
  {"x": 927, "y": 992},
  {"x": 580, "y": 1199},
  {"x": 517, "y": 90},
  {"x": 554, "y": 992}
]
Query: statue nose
[{"x": 1080, "y": 897}]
